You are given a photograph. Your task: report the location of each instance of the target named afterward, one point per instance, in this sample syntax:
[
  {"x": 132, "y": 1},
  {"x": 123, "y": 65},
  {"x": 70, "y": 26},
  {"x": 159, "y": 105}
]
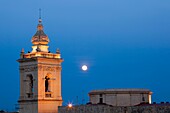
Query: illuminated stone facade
[
  {"x": 120, "y": 97},
  {"x": 40, "y": 76}
]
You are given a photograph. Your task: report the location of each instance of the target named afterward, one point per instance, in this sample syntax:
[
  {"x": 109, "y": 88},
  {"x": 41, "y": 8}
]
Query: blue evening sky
[{"x": 125, "y": 43}]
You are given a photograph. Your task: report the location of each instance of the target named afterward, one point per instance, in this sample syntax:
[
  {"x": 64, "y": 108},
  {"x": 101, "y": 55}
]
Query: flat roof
[{"x": 120, "y": 90}]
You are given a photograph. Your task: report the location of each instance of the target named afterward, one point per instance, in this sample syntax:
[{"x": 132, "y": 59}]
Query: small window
[
  {"x": 101, "y": 95},
  {"x": 101, "y": 100},
  {"x": 48, "y": 94},
  {"x": 143, "y": 98}
]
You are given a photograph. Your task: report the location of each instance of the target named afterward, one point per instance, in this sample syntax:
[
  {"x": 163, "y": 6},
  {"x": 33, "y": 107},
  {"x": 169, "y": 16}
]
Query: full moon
[{"x": 84, "y": 68}]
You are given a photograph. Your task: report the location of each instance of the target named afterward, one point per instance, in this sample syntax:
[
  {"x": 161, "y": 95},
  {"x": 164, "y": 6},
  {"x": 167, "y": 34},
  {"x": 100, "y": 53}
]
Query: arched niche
[{"x": 29, "y": 85}]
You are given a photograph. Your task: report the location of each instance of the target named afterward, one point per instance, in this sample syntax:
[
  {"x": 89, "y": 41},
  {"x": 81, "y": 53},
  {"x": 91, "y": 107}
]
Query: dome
[{"x": 40, "y": 38}]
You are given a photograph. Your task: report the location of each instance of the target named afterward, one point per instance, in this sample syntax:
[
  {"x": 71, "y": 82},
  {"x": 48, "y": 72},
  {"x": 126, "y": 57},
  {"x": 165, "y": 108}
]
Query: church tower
[{"x": 40, "y": 76}]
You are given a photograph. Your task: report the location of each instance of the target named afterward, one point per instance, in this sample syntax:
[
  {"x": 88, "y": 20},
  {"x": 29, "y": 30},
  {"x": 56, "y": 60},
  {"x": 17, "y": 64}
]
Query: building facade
[
  {"x": 40, "y": 76},
  {"x": 120, "y": 97}
]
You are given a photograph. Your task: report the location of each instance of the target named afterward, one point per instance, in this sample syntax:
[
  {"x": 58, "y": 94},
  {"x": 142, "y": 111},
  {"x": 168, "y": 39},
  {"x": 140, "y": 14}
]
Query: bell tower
[{"x": 40, "y": 76}]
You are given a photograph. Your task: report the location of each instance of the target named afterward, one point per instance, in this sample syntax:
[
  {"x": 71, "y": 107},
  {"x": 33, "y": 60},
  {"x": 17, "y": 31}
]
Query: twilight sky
[{"x": 125, "y": 43}]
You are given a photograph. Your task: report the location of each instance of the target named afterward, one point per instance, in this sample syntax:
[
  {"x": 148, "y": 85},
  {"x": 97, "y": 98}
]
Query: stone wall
[{"x": 111, "y": 109}]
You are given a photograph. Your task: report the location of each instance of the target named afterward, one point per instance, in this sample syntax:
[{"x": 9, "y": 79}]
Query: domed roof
[{"x": 40, "y": 38}]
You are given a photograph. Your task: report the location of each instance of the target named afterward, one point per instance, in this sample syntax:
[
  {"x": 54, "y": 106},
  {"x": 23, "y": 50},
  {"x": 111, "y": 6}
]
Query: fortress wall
[{"x": 110, "y": 109}]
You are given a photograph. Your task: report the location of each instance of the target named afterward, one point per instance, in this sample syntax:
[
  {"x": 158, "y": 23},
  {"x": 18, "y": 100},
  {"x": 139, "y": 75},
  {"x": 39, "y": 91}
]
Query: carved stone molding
[
  {"x": 29, "y": 69},
  {"x": 40, "y": 67},
  {"x": 58, "y": 68},
  {"x": 21, "y": 69},
  {"x": 48, "y": 68}
]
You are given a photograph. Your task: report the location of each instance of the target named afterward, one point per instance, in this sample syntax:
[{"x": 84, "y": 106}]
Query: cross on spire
[{"x": 40, "y": 15}]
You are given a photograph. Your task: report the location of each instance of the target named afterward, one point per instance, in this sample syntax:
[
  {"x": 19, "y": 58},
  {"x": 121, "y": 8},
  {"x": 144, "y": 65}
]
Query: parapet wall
[{"x": 111, "y": 109}]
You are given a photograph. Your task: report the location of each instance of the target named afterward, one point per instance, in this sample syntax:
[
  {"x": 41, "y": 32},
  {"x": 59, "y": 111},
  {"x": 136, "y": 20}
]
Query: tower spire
[{"x": 40, "y": 38}]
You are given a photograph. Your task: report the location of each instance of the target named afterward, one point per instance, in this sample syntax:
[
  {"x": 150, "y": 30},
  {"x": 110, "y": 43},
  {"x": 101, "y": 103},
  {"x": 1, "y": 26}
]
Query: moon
[{"x": 84, "y": 68}]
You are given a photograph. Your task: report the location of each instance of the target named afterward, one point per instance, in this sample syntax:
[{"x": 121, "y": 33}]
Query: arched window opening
[
  {"x": 48, "y": 92},
  {"x": 47, "y": 86},
  {"x": 30, "y": 88}
]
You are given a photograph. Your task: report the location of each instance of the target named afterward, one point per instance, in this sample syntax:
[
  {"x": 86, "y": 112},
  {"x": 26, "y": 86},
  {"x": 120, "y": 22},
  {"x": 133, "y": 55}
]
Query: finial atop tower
[
  {"x": 39, "y": 20},
  {"x": 22, "y": 53},
  {"x": 58, "y": 51}
]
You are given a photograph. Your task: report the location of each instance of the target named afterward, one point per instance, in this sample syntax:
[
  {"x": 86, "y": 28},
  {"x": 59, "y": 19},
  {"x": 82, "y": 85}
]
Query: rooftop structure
[{"x": 120, "y": 97}]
